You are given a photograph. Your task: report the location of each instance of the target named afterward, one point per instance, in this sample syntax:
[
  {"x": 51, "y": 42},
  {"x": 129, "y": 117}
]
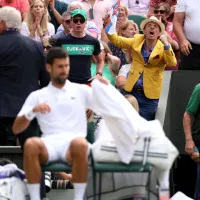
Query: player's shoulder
[
  {"x": 81, "y": 88},
  {"x": 38, "y": 93}
]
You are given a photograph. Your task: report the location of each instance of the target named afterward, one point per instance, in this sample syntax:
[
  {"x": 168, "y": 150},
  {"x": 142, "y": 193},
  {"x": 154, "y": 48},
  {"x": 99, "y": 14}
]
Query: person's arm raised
[{"x": 121, "y": 42}]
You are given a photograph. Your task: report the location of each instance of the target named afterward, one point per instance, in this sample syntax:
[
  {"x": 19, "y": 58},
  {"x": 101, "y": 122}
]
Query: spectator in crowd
[
  {"x": 37, "y": 25},
  {"x": 128, "y": 29},
  {"x": 96, "y": 10},
  {"x": 111, "y": 66},
  {"x": 18, "y": 81},
  {"x": 80, "y": 48},
  {"x": 150, "y": 56},
  {"x": 21, "y": 5},
  {"x": 56, "y": 9},
  {"x": 123, "y": 72},
  {"x": 162, "y": 11},
  {"x": 65, "y": 24},
  {"x": 187, "y": 31},
  {"x": 22, "y": 65},
  {"x": 137, "y": 7},
  {"x": 191, "y": 125},
  {"x": 121, "y": 18},
  {"x": 172, "y": 5},
  {"x": 54, "y": 145},
  {"x": 90, "y": 27}
]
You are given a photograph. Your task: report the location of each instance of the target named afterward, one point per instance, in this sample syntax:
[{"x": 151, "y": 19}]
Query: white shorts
[{"x": 57, "y": 147}]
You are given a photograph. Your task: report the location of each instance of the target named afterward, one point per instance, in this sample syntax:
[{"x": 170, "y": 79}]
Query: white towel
[
  {"x": 120, "y": 117},
  {"x": 125, "y": 125}
]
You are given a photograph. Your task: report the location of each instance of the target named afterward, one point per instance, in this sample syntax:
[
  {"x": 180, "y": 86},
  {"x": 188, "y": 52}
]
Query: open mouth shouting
[{"x": 151, "y": 33}]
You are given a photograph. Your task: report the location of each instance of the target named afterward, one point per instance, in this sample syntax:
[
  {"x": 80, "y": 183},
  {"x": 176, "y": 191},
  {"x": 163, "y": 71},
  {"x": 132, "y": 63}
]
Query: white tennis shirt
[{"x": 68, "y": 109}]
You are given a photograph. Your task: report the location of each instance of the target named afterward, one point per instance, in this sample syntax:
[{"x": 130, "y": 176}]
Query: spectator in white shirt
[
  {"x": 187, "y": 30},
  {"x": 37, "y": 25}
]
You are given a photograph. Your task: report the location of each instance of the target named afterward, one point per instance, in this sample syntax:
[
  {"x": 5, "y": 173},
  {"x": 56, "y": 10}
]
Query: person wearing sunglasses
[
  {"x": 90, "y": 28},
  {"x": 81, "y": 47},
  {"x": 153, "y": 4},
  {"x": 65, "y": 24},
  {"x": 161, "y": 12}
]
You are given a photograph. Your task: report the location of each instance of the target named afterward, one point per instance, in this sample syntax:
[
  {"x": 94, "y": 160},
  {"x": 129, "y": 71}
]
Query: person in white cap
[{"x": 151, "y": 52}]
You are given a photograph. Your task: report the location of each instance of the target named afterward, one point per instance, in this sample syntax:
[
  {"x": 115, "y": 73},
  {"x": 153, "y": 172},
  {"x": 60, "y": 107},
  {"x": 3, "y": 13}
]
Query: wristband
[
  {"x": 99, "y": 73},
  {"x": 30, "y": 115}
]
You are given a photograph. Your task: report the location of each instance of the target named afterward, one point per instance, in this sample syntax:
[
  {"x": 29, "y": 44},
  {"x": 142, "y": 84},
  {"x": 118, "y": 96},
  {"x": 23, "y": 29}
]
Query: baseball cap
[{"x": 79, "y": 12}]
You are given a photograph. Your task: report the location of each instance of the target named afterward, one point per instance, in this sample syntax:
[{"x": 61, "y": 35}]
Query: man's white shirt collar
[{"x": 64, "y": 88}]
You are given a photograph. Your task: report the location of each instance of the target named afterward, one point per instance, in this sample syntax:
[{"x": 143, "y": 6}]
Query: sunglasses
[
  {"x": 67, "y": 21},
  {"x": 78, "y": 20},
  {"x": 159, "y": 11}
]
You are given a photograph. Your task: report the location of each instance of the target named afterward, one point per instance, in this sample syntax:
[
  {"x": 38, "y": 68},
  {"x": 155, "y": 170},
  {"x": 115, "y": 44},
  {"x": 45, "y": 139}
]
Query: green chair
[
  {"x": 119, "y": 167},
  {"x": 101, "y": 167},
  {"x": 64, "y": 167},
  {"x": 137, "y": 19}
]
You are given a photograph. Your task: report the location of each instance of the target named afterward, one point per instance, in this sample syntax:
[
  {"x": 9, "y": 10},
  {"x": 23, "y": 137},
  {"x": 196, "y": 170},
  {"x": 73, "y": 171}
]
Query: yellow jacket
[{"x": 152, "y": 71}]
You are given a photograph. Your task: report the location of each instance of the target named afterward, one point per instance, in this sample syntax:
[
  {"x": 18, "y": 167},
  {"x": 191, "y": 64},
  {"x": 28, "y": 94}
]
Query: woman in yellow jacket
[{"x": 151, "y": 52}]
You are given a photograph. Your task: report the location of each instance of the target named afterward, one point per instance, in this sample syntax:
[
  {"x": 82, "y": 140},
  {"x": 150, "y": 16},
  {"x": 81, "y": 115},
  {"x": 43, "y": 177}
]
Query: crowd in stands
[{"x": 133, "y": 59}]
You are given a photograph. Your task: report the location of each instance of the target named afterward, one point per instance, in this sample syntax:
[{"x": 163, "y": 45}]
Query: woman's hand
[
  {"x": 36, "y": 23},
  {"x": 39, "y": 30},
  {"x": 106, "y": 18},
  {"x": 34, "y": 28},
  {"x": 118, "y": 25}
]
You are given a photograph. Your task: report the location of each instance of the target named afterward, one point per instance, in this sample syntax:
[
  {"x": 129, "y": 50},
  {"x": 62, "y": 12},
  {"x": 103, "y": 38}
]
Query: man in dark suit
[{"x": 22, "y": 71}]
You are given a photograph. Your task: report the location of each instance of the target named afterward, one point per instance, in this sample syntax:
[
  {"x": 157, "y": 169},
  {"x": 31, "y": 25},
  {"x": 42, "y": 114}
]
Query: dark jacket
[{"x": 22, "y": 67}]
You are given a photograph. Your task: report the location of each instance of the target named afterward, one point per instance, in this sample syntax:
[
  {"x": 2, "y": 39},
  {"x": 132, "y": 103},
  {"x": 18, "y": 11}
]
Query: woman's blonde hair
[
  {"x": 125, "y": 25},
  {"x": 133, "y": 101},
  {"x": 44, "y": 21},
  {"x": 122, "y": 5}
]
